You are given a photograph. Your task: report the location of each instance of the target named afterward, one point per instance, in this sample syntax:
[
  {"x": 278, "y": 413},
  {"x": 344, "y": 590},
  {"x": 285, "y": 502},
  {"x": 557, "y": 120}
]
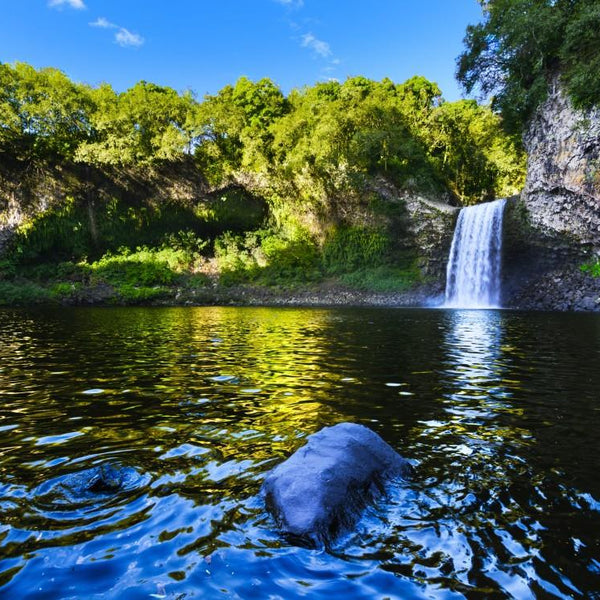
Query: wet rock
[
  {"x": 322, "y": 488},
  {"x": 105, "y": 479},
  {"x": 90, "y": 489}
]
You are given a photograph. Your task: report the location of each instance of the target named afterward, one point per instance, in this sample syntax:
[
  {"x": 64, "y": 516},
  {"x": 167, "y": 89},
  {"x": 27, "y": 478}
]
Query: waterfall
[{"x": 473, "y": 271}]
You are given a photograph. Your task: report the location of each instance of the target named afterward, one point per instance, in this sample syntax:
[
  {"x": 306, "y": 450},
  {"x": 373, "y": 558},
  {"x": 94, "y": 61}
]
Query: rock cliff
[
  {"x": 555, "y": 226},
  {"x": 562, "y": 190}
]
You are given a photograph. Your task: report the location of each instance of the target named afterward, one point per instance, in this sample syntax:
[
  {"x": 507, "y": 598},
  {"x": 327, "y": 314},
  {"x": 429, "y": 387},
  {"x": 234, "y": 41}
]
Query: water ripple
[{"x": 133, "y": 444}]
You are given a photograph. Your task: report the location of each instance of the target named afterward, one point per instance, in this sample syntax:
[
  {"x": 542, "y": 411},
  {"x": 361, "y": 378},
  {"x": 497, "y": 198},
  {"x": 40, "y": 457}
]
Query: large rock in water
[{"x": 321, "y": 489}]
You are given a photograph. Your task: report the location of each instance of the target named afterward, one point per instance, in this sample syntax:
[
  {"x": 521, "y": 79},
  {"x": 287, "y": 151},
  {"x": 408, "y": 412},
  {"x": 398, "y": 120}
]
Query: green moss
[{"x": 592, "y": 268}]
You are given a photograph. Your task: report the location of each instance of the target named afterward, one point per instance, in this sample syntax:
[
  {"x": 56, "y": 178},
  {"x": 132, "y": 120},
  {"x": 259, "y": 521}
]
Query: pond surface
[{"x": 499, "y": 412}]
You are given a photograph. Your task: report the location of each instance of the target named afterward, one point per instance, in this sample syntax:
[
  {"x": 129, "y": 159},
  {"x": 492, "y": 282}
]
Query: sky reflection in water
[{"x": 498, "y": 411}]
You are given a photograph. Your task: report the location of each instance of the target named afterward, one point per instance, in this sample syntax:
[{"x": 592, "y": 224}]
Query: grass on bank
[{"x": 356, "y": 258}]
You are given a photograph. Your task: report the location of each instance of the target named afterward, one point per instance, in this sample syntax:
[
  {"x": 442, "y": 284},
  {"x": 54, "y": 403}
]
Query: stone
[
  {"x": 104, "y": 479},
  {"x": 321, "y": 489},
  {"x": 562, "y": 190}
]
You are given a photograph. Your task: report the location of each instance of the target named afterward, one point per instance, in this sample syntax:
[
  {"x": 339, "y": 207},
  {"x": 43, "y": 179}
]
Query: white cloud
[
  {"x": 104, "y": 23},
  {"x": 291, "y": 3},
  {"x": 123, "y": 36},
  {"x": 319, "y": 46},
  {"x": 77, "y": 4}
]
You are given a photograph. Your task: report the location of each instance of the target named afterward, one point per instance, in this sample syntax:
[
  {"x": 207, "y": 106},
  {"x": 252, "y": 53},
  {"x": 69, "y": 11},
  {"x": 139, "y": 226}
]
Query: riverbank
[
  {"x": 326, "y": 293},
  {"x": 574, "y": 291}
]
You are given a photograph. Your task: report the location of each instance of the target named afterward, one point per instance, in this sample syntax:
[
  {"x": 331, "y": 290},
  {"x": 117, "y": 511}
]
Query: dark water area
[{"x": 187, "y": 409}]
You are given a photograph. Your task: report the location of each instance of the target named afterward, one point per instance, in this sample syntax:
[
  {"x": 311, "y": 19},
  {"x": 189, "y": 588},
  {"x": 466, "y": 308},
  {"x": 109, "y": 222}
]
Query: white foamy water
[{"x": 473, "y": 271}]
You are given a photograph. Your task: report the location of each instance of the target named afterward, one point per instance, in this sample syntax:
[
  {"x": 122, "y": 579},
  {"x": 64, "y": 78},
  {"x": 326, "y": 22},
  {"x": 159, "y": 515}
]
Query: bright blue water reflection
[{"x": 498, "y": 410}]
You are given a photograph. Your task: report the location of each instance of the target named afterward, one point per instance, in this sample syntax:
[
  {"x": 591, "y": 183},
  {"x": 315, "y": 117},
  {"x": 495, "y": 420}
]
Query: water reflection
[{"x": 196, "y": 405}]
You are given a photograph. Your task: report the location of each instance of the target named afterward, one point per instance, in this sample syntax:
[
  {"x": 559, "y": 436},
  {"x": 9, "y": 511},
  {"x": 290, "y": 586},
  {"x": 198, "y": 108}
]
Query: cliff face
[
  {"x": 427, "y": 226},
  {"x": 562, "y": 190},
  {"x": 555, "y": 226}
]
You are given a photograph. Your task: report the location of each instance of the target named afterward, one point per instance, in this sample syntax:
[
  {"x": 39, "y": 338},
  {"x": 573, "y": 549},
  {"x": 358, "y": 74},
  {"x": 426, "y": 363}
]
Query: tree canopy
[
  {"x": 520, "y": 45},
  {"x": 315, "y": 142}
]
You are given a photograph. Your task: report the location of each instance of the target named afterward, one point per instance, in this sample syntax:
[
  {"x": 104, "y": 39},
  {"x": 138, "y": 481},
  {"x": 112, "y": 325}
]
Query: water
[
  {"x": 473, "y": 271},
  {"x": 498, "y": 410}
]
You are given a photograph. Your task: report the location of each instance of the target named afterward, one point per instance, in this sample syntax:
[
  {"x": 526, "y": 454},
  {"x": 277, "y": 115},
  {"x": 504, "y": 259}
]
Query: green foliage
[
  {"x": 383, "y": 278},
  {"x": 186, "y": 241},
  {"x": 294, "y": 260},
  {"x": 133, "y": 294},
  {"x": 335, "y": 135},
  {"x": 8, "y": 269},
  {"x": 64, "y": 291},
  {"x": 60, "y": 232},
  {"x": 267, "y": 258},
  {"x": 144, "y": 267},
  {"x": 351, "y": 248},
  {"x": 592, "y": 268},
  {"x": 236, "y": 257},
  {"x": 197, "y": 280},
  {"x": 65, "y": 232},
  {"x": 53, "y": 271},
  {"x": 322, "y": 140},
  {"x": 521, "y": 44},
  {"x": 580, "y": 54},
  {"x": 42, "y": 112},
  {"x": 144, "y": 124},
  {"x": 470, "y": 150},
  {"x": 22, "y": 293},
  {"x": 233, "y": 128}
]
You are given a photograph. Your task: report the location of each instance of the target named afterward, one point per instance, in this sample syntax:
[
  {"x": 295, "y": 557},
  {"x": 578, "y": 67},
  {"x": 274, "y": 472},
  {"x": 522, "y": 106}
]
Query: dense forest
[
  {"x": 288, "y": 188},
  {"x": 148, "y": 188}
]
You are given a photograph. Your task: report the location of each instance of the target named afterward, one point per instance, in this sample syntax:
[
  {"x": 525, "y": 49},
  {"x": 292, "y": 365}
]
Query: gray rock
[
  {"x": 321, "y": 489},
  {"x": 562, "y": 191}
]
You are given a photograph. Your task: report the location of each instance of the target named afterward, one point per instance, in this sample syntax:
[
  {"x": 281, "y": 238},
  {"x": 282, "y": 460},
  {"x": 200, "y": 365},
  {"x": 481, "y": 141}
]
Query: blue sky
[{"x": 205, "y": 44}]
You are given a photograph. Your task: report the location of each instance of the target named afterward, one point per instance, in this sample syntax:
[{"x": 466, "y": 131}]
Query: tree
[
  {"x": 522, "y": 44},
  {"x": 233, "y": 127},
  {"x": 144, "y": 124},
  {"x": 476, "y": 159},
  {"x": 42, "y": 111}
]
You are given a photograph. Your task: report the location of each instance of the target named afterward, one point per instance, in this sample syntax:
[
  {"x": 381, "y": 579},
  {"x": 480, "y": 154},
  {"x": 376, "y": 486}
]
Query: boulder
[{"x": 322, "y": 488}]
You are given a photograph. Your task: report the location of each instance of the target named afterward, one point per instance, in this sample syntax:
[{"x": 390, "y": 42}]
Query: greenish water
[{"x": 498, "y": 410}]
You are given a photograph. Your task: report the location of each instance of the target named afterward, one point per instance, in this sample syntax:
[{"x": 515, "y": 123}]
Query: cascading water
[{"x": 473, "y": 272}]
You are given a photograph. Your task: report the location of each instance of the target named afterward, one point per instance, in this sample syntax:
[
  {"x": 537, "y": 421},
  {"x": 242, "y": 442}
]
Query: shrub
[
  {"x": 145, "y": 267},
  {"x": 7, "y": 269},
  {"x": 65, "y": 291},
  {"x": 383, "y": 279},
  {"x": 12, "y": 294},
  {"x": 267, "y": 257},
  {"x": 592, "y": 268},
  {"x": 351, "y": 248}
]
